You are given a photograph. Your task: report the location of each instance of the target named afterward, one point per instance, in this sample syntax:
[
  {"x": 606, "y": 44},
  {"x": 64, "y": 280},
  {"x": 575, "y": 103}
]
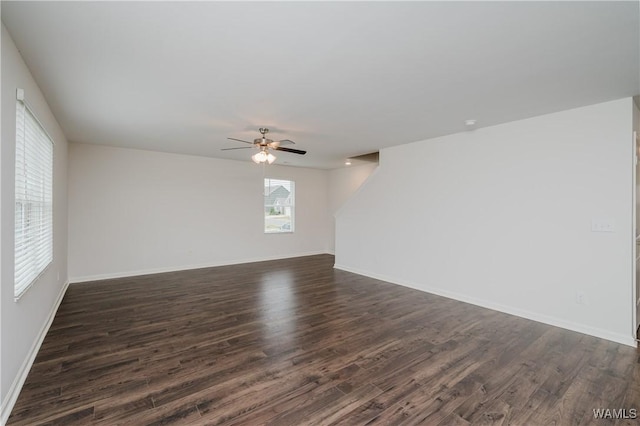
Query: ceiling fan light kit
[
  {"x": 263, "y": 157},
  {"x": 264, "y": 145}
]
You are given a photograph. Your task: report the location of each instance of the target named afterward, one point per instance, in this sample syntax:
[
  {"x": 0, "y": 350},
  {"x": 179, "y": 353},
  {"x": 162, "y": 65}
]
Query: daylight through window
[
  {"x": 278, "y": 205},
  {"x": 34, "y": 199}
]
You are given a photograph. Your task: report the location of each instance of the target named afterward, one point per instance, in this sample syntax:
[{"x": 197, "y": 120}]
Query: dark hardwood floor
[{"x": 295, "y": 342}]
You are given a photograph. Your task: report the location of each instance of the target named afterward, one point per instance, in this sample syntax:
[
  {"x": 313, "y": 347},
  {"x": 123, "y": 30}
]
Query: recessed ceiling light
[
  {"x": 348, "y": 162},
  {"x": 469, "y": 122}
]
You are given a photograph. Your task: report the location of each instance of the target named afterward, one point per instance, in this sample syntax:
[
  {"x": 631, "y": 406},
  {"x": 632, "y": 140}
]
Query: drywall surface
[
  {"x": 636, "y": 146},
  {"x": 24, "y": 322},
  {"x": 503, "y": 216},
  {"x": 636, "y": 129},
  {"x": 134, "y": 212},
  {"x": 343, "y": 183}
]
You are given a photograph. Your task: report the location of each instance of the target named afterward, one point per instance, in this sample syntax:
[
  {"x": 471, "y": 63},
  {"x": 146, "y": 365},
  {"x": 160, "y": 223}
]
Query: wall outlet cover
[{"x": 603, "y": 225}]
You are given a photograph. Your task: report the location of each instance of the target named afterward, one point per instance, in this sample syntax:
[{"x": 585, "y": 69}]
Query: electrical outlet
[
  {"x": 603, "y": 225},
  {"x": 580, "y": 298}
]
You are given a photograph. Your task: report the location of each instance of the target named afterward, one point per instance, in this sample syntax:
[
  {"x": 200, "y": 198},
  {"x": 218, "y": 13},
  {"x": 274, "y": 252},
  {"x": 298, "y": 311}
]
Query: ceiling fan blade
[
  {"x": 240, "y": 140},
  {"x": 242, "y": 147},
  {"x": 276, "y": 144},
  {"x": 295, "y": 151}
]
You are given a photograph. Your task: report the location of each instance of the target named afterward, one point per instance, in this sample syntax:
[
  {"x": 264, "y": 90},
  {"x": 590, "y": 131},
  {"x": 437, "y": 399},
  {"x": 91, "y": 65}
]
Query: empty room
[{"x": 318, "y": 213}]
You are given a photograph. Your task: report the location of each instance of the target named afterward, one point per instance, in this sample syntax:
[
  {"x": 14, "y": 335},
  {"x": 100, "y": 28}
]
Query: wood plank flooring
[{"x": 295, "y": 342}]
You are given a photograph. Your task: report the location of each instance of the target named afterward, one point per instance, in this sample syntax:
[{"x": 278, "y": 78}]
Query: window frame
[{"x": 267, "y": 183}]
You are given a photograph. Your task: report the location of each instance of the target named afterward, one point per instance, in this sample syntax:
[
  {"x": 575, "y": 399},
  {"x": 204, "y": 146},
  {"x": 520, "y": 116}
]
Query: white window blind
[{"x": 34, "y": 199}]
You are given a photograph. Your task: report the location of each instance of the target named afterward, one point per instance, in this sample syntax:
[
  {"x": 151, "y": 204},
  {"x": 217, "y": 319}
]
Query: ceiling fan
[{"x": 264, "y": 145}]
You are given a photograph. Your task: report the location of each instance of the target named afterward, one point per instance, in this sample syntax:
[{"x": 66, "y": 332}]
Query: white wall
[
  {"x": 343, "y": 183},
  {"x": 24, "y": 322},
  {"x": 636, "y": 129},
  {"x": 502, "y": 217},
  {"x": 133, "y": 212}
]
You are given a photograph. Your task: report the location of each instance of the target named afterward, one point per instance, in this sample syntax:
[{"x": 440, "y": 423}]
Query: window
[
  {"x": 34, "y": 198},
  {"x": 278, "y": 205}
]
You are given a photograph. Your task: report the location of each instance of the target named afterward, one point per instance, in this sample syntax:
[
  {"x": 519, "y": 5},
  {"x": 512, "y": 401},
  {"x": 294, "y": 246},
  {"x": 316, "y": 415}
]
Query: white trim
[
  {"x": 534, "y": 316},
  {"x": 12, "y": 395},
  {"x": 99, "y": 277}
]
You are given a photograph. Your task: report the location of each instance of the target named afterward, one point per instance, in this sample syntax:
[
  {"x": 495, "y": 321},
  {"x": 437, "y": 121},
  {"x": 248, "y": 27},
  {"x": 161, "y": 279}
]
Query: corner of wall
[
  {"x": 360, "y": 187},
  {"x": 14, "y": 391},
  {"x": 25, "y": 323}
]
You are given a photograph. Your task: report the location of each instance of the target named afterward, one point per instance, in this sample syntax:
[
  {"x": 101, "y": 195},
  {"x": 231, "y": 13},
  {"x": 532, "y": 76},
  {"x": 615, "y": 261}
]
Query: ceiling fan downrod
[{"x": 264, "y": 131}]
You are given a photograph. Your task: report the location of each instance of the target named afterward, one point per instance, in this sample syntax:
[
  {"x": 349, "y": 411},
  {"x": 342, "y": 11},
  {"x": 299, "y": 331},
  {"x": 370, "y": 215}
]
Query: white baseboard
[
  {"x": 126, "y": 274},
  {"x": 534, "y": 316},
  {"x": 21, "y": 377}
]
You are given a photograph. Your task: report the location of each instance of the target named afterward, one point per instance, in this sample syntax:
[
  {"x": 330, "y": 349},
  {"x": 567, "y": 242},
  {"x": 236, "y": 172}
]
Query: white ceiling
[{"x": 341, "y": 79}]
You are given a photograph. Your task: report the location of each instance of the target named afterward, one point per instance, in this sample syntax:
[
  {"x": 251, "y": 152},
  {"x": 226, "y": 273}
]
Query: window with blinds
[
  {"x": 278, "y": 206},
  {"x": 34, "y": 199}
]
